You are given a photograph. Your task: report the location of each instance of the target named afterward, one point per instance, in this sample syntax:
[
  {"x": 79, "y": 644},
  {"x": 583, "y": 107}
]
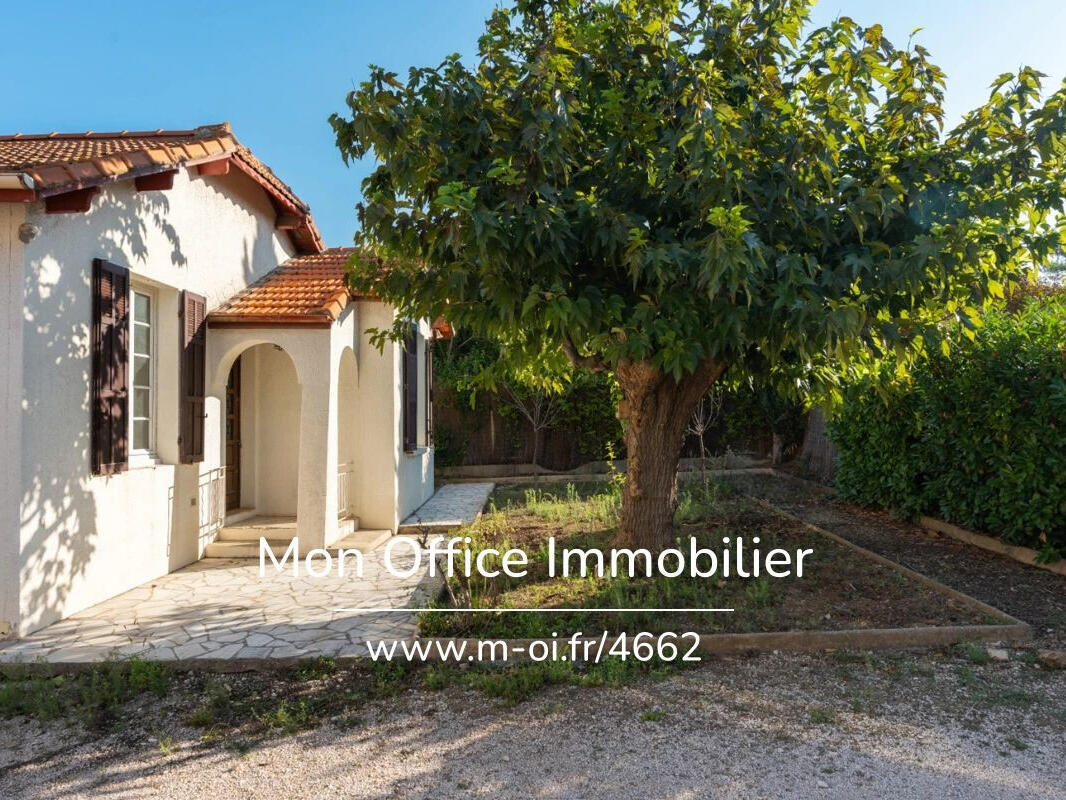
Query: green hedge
[{"x": 976, "y": 437}]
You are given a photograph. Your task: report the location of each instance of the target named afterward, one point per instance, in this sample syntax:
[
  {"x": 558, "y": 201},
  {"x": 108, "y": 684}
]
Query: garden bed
[{"x": 843, "y": 589}]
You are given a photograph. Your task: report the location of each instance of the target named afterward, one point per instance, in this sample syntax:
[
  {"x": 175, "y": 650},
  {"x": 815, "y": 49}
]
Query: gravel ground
[
  {"x": 776, "y": 726},
  {"x": 1030, "y": 594}
]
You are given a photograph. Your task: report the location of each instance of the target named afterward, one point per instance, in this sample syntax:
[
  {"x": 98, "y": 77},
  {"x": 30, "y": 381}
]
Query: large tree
[{"x": 668, "y": 189}]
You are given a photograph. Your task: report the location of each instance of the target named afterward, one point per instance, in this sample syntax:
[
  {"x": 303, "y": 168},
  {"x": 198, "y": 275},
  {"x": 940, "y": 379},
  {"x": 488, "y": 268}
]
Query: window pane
[
  {"x": 141, "y": 403},
  {"x": 141, "y": 371},
  {"x": 142, "y": 339},
  {"x": 140, "y": 434},
  {"x": 142, "y": 307}
]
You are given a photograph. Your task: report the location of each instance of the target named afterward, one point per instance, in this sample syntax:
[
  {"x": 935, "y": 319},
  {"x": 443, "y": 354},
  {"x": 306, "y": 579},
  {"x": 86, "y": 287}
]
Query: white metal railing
[
  {"x": 212, "y": 500},
  {"x": 344, "y": 490}
]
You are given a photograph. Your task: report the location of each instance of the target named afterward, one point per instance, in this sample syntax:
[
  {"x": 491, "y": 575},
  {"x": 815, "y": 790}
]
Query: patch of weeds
[
  {"x": 852, "y": 657},
  {"x": 438, "y": 676},
  {"x": 900, "y": 667},
  {"x": 94, "y": 696},
  {"x": 261, "y": 707},
  {"x": 512, "y": 685},
  {"x": 759, "y": 593},
  {"x": 651, "y": 715},
  {"x": 1017, "y": 743},
  {"x": 216, "y": 710},
  {"x": 1010, "y": 698},
  {"x": 821, "y": 716},
  {"x": 287, "y": 717},
  {"x": 315, "y": 669},
  {"x": 866, "y": 700},
  {"x": 601, "y": 504},
  {"x": 388, "y": 677},
  {"x": 166, "y": 745},
  {"x": 966, "y": 675},
  {"x": 975, "y": 654}
]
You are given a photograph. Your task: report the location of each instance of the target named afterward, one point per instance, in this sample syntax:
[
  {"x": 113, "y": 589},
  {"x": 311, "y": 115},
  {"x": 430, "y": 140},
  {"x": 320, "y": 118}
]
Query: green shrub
[{"x": 977, "y": 437}]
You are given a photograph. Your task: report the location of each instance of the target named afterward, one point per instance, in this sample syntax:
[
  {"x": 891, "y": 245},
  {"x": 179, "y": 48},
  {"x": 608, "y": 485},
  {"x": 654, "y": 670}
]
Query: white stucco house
[{"x": 181, "y": 355}]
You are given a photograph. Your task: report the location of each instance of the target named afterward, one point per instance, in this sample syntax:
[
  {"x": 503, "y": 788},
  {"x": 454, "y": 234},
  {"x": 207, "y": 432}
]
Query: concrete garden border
[
  {"x": 1024, "y": 555},
  {"x": 591, "y": 471},
  {"x": 599, "y": 477}
]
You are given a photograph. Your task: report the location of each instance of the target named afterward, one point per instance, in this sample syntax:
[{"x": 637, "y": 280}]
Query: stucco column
[{"x": 316, "y": 501}]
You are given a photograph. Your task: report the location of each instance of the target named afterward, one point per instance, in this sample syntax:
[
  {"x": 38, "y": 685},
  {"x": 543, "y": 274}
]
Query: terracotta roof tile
[
  {"x": 56, "y": 163},
  {"x": 306, "y": 290}
]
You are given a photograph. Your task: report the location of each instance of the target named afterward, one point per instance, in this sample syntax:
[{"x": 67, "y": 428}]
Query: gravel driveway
[{"x": 776, "y": 726}]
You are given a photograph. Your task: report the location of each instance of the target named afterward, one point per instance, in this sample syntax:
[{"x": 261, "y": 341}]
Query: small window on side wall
[{"x": 142, "y": 375}]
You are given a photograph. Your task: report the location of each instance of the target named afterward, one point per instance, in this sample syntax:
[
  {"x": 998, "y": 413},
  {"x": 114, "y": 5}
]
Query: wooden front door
[{"x": 233, "y": 437}]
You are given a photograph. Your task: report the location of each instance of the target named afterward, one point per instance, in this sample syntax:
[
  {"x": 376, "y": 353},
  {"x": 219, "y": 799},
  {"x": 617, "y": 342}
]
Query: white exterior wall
[
  {"x": 388, "y": 483},
  {"x": 11, "y": 291},
  {"x": 82, "y": 538}
]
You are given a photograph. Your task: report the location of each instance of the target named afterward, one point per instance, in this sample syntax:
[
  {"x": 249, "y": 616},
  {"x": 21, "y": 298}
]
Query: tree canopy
[
  {"x": 649, "y": 183},
  {"x": 670, "y": 189}
]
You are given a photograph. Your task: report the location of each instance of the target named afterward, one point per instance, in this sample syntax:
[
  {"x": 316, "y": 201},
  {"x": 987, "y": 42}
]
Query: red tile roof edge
[
  {"x": 206, "y": 143},
  {"x": 319, "y": 306}
]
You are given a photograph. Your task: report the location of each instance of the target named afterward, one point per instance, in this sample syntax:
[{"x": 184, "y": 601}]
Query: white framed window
[{"x": 142, "y": 372}]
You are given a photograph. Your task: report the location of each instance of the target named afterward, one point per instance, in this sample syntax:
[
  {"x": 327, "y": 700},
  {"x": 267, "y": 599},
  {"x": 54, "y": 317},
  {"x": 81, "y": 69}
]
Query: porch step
[
  {"x": 244, "y": 549},
  {"x": 252, "y": 528},
  {"x": 364, "y": 540},
  {"x": 238, "y": 515}
]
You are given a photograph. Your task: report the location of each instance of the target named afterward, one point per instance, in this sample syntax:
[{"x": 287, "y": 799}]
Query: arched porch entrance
[{"x": 277, "y": 436}]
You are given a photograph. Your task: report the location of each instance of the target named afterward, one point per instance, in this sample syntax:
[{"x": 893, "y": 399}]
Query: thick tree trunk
[{"x": 656, "y": 409}]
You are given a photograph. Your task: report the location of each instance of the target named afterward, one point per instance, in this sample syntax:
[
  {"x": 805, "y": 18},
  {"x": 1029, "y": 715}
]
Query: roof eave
[{"x": 270, "y": 321}]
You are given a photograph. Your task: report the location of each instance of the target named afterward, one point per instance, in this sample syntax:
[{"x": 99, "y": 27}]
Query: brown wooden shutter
[
  {"x": 410, "y": 390},
  {"x": 193, "y": 380},
  {"x": 429, "y": 392},
  {"x": 109, "y": 341}
]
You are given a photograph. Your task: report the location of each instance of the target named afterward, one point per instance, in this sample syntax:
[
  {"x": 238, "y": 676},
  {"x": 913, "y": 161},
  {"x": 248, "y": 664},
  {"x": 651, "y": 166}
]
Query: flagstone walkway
[
  {"x": 451, "y": 506},
  {"x": 220, "y": 610}
]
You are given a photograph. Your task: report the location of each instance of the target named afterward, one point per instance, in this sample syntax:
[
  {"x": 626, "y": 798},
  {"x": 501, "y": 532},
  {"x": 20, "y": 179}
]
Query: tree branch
[{"x": 593, "y": 363}]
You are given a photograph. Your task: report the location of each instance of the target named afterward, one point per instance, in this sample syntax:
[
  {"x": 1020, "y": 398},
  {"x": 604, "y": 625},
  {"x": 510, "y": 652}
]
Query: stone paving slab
[
  {"x": 451, "y": 506},
  {"x": 220, "y": 609}
]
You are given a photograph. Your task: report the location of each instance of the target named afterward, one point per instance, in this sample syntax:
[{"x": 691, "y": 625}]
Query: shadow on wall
[{"x": 58, "y": 513}]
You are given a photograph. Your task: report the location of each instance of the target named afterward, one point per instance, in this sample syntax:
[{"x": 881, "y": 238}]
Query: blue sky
[{"x": 276, "y": 70}]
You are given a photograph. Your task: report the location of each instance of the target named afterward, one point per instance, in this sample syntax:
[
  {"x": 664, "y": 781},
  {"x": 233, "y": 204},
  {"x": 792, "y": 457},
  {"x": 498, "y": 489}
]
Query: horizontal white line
[{"x": 541, "y": 610}]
